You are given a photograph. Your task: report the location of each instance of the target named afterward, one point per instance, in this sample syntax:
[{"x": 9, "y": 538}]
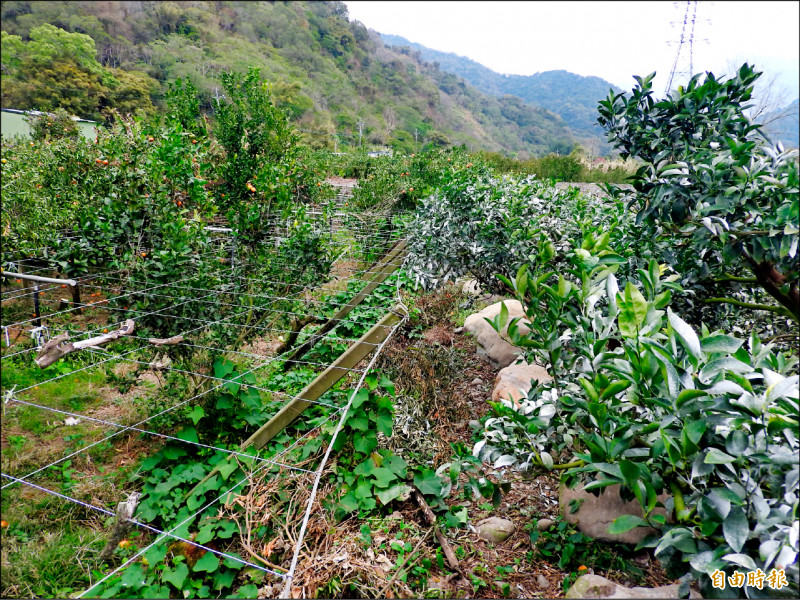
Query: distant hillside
[
  {"x": 786, "y": 127},
  {"x": 573, "y": 97},
  {"x": 342, "y": 86}
]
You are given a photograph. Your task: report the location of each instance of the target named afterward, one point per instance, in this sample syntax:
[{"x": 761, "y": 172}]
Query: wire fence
[{"x": 214, "y": 320}]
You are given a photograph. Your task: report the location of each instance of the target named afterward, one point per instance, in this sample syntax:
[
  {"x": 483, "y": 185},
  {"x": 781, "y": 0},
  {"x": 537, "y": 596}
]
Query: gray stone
[
  {"x": 471, "y": 287},
  {"x": 498, "y": 351},
  {"x": 495, "y": 529},
  {"x": 542, "y": 582},
  {"x": 642, "y": 559},
  {"x": 596, "y": 513},
  {"x": 474, "y": 424},
  {"x": 476, "y": 382},
  {"x": 545, "y": 524},
  {"x": 514, "y": 381},
  {"x": 594, "y": 586}
]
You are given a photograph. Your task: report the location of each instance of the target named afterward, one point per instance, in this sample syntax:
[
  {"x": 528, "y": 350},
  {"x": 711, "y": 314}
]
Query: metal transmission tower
[{"x": 683, "y": 67}]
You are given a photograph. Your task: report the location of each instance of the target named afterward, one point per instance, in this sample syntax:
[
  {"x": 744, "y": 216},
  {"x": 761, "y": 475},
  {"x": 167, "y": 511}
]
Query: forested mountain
[
  {"x": 340, "y": 83},
  {"x": 573, "y": 97}
]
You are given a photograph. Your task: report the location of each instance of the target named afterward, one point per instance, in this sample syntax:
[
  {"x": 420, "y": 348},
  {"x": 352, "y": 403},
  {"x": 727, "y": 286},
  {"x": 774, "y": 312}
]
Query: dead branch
[
  {"x": 170, "y": 341},
  {"x": 431, "y": 519},
  {"x": 60, "y": 345}
]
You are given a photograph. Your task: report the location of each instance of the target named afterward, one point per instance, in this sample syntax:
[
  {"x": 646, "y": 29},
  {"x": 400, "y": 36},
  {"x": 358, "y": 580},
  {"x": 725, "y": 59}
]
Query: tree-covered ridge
[
  {"x": 340, "y": 84},
  {"x": 573, "y": 97}
]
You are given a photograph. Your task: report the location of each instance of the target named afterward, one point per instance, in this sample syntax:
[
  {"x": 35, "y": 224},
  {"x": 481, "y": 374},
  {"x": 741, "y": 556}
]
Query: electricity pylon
[{"x": 683, "y": 67}]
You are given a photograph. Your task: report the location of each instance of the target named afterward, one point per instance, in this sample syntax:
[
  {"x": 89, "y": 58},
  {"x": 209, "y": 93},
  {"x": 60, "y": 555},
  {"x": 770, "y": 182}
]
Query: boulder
[
  {"x": 471, "y": 287},
  {"x": 498, "y": 351},
  {"x": 545, "y": 524},
  {"x": 596, "y": 513},
  {"x": 495, "y": 529},
  {"x": 514, "y": 381},
  {"x": 594, "y": 586}
]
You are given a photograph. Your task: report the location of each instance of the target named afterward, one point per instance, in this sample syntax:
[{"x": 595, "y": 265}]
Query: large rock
[
  {"x": 491, "y": 346},
  {"x": 495, "y": 529},
  {"x": 471, "y": 287},
  {"x": 596, "y": 513},
  {"x": 594, "y": 586},
  {"x": 514, "y": 381}
]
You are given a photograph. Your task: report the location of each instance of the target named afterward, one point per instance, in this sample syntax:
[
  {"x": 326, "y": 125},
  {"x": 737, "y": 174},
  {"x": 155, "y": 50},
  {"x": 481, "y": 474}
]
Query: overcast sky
[{"x": 612, "y": 40}]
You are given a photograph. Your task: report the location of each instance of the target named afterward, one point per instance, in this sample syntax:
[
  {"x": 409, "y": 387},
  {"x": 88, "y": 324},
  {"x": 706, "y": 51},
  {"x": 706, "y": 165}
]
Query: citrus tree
[{"x": 711, "y": 181}]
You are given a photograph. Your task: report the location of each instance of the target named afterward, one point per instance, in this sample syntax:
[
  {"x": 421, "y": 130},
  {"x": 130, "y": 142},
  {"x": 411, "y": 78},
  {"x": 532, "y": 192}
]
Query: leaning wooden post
[
  {"x": 125, "y": 512},
  {"x": 314, "y": 390}
]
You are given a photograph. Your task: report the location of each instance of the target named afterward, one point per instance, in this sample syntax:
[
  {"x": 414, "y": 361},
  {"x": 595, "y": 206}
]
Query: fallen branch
[
  {"x": 446, "y": 547},
  {"x": 60, "y": 345},
  {"x": 170, "y": 341}
]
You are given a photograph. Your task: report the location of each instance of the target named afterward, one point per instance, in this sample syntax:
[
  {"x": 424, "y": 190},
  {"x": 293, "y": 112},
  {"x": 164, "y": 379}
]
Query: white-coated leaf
[
  {"x": 727, "y": 363},
  {"x": 785, "y": 558},
  {"x": 720, "y": 343},
  {"x": 767, "y": 551},
  {"x": 743, "y": 560},
  {"x": 686, "y": 334},
  {"x": 504, "y": 461},
  {"x": 611, "y": 289},
  {"x": 701, "y": 560},
  {"x": 786, "y": 388},
  {"x": 476, "y": 450},
  {"x": 725, "y": 387},
  {"x": 547, "y": 460}
]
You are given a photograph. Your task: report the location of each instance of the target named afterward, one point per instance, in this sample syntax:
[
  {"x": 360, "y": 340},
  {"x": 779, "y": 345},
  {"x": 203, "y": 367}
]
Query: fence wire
[{"x": 236, "y": 298}]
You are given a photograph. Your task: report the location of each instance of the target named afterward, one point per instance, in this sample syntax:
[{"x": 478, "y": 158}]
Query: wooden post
[
  {"x": 321, "y": 384},
  {"x": 36, "y": 310},
  {"x": 324, "y": 381},
  {"x": 76, "y": 298},
  {"x": 379, "y": 273}
]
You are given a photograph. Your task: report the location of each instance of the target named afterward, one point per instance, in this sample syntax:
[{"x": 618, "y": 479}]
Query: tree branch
[
  {"x": 736, "y": 279},
  {"x": 772, "y": 281},
  {"x": 766, "y": 307}
]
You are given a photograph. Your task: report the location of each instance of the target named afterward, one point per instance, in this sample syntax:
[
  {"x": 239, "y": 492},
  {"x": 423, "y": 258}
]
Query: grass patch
[{"x": 41, "y": 561}]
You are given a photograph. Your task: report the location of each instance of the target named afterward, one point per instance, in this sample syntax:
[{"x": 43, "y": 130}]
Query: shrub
[
  {"x": 640, "y": 399},
  {"x": 711, "y": 180},
  {"x": 485, "y": 225},
  {"x": 53, "y": 126}
]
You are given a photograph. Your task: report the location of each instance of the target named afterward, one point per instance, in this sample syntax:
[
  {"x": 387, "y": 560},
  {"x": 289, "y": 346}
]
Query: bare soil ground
[{"x": 451, "y": 385}]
